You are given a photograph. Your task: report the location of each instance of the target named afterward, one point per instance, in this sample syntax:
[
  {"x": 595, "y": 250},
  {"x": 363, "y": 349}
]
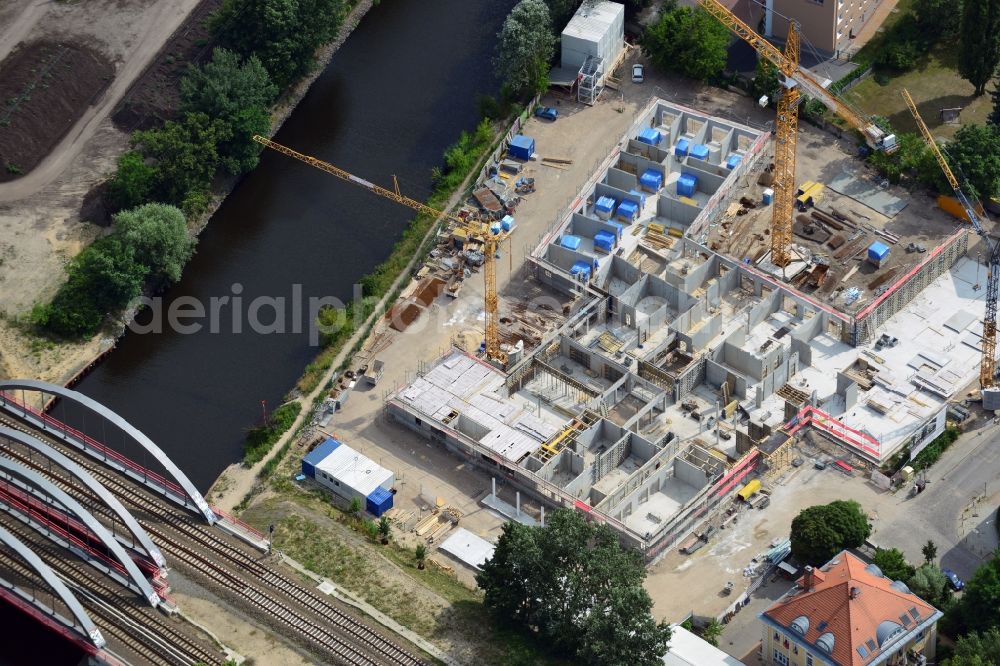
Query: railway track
[
  {"x": 274, "y": 594},
  {"x": 143, "y": 631}
]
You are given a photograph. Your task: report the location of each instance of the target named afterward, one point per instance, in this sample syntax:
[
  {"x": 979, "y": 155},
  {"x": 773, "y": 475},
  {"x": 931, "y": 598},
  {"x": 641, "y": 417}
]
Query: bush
[
  {"x": 899, "y": 56},
  {"x": 260, "y": 439},
  {"x": 933, "y": 451}
]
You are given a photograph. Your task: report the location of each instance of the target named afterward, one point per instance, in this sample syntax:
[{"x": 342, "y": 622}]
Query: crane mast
[
  {"x": 491, "y": 241},
  {"x": 987, "y": 367},
  {"x": 786, "y": 125}
]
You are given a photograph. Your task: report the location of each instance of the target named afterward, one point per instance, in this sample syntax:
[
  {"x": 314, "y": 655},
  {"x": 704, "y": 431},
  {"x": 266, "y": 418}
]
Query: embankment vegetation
[
  {"x": 261, "y": 439},
  {"x": 264, "y": 46}
]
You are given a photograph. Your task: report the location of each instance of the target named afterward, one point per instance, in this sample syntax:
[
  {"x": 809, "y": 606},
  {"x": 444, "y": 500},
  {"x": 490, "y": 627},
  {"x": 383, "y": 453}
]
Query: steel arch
[
  {"x": 92, "y": 484},
  {"x": 54, "y": 582},
  {"x": 101, "y": 532},
  {"x": 124, "y": 426}
]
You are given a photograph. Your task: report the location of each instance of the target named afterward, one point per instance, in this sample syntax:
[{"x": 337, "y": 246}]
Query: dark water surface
[{"x": 393, "y": 98}]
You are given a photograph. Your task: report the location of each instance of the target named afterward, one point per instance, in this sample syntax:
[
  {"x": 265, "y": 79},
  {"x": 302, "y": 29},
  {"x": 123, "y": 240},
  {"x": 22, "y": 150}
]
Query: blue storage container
[
  {"x": 700, "y": 151},
  {"x": 733, "y": 161},
  {"x": 317, "y": 455},
  {"x": 628, "y": 211},
  {"x": 878, "y": 252},
  {"x": 650, "y": 136},
  {"x": 379, "y": 501},
  {"x": 522, "y": 147},
  {"x": 618, "y": 229},
  {"x": 581, "y": 268},
  {"x": 682, "y": 148},
  {"x": 604, "y": 240},
  {"x": 687, "y": 184},
  {"x": 640, "y": 196},
  {"x": 651, "y": 180},
  {"x": 604, "y": 207},
  {"x": 507, "y": 223},
  {"x": 571, "y": 242}
]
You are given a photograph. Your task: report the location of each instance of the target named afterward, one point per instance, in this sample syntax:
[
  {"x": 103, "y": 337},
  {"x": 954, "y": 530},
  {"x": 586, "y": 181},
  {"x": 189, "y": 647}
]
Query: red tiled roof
[{"x": 851, "y": 603}]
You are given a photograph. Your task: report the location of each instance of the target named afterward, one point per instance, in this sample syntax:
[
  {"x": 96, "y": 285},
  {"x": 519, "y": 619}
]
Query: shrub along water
[{"x": 260, "y": 439}]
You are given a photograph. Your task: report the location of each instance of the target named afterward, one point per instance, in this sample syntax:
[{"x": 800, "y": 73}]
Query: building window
[
  {"x": 809, "y": 660},
  {"x": 780, "y": 658}
]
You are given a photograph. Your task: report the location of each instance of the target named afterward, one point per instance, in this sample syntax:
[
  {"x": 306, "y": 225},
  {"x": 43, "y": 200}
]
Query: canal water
[{"x": 393, "y": 98}]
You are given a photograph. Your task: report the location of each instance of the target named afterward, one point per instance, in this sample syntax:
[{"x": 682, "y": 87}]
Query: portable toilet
[
  {"x": 767, "y": 196},
  {"x": 650, "y": 136},
  {"x": 522, "y": 147},
  {"x": 651, "y": 180},
  {"x": 604, "y": 207},
  {"x": 508, "y": 223},
  {"x": 878, "y": 253}
]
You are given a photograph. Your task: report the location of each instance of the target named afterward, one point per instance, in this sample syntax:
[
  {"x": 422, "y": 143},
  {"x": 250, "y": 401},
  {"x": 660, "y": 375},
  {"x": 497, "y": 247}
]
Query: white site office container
[{"x": 597, "y": 30}]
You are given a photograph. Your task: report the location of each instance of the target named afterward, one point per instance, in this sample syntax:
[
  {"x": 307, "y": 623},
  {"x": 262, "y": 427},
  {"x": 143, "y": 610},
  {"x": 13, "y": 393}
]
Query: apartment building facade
[{"x": 829, "y": 26}]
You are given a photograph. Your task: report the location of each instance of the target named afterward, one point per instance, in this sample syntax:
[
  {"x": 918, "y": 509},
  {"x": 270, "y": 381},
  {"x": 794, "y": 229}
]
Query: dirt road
[
  {"x": 19, "y": 21},
  {"x": 160, "y": 22}
]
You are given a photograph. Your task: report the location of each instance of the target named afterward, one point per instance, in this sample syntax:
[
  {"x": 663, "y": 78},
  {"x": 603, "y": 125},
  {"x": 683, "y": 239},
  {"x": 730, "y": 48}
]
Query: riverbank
[{"x": 25, "y": 354}]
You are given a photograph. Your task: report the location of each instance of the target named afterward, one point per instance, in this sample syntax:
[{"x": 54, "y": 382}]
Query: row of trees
[
  {"x": 265, "y": 45},
  {"x": 571, "y": 583}
]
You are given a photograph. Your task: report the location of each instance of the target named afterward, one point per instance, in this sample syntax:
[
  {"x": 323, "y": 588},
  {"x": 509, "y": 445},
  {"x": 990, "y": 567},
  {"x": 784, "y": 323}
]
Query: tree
[
  {"x": 977, "y": 649},
  {"x": 688, "y": 41},
  {"x": 929, "y": 551},
  {"x": 525, "y": 45},
  {"x": 928, "y": 583},
  {"x": 766, "y": 81},
  {"x": 994, "y": 118},
  {"x": 572, "y": 581},
  {"x": 893, "y": 564},
  {"x": 712, "y": 631},
  {"x": 979, "y": 46},
  {"x": 185, "y": 153},
  {"x": 355, "y": 508},
  {"x": 561, "y": 11},
  {"x": 284, "y": 34},
  {"x": 937, "y": 18},
  {"x": 158, "y": 236},
  {"x": 133, "y": 183},
  {"x": 237, "y": 93},
  {"x": 975, "y": 154},
  {"x": 977, "y": 608},
  {"x": 384, "y": 529},
  {"x": 820, "y": 532},
  {"x": 420, "y": 555}
]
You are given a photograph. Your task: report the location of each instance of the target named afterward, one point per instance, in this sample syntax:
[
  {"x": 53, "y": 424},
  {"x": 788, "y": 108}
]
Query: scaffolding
[{"x": 591, "y": 80}]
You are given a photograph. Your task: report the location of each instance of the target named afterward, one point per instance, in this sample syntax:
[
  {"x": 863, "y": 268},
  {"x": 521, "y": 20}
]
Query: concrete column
[
  {"x": 494, "y": 480},
  {"x": 518, "y": 502}
]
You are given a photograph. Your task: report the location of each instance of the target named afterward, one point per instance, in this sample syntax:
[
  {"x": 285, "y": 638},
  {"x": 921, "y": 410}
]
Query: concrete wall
[
  {"x": 621, "y": 180},
  {"x": 667, "y": 206},
  {"x": 587, "y": 227},
  {"x": 658, "y": 153}
]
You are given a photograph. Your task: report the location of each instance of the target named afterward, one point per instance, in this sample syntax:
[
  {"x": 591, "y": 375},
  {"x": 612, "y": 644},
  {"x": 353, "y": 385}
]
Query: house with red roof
[{"x": 847, "y": 613}]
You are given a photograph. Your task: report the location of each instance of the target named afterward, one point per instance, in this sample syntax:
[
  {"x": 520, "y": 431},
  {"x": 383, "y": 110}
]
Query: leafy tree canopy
[
  {"x": 133, "y": 183},
  {"x": 928, "y": 583},
  {"x": 185, "y": 153},
  {"x": 977, "y": 649},
  {"x": 158, "y": 236},
  {"x": 937, "y": 18},
  {"x": 687, "y": 41},
  {"x": 977, "y": 608},
  {"x": 975, "y": 151},
  {"x": 572, "y": 581},
  {"x": 979, "y": 46},
  {"x": 766, "y": 81},
  {"x": 820, "y": 532},
  {"x": 524, "y": 48},
  {"x": 893, "y": 564}
]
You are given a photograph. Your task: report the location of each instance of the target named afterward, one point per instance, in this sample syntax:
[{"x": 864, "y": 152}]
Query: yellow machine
[
  {"x": 786, "y": 124},
  {"x": 474, "y": 229}
]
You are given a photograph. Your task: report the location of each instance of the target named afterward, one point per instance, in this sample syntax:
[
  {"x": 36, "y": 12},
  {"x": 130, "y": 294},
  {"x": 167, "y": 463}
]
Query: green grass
[
  {"x": 934, "y": 84},
  {"x": 260, "y": 439},
  {"x": 869, "y": 51}
]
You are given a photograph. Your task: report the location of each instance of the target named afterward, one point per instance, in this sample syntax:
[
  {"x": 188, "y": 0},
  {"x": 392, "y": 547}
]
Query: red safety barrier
[
  {"x": 107, "y": 452},
  {"x": 820, "y": 419},
  {"x": 229, "y": 518},
  {"x": 737, "y": 473}
]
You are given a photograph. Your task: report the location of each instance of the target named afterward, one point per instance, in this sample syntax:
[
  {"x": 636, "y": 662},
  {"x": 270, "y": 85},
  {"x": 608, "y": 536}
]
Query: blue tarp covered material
[
  {"x": 650, "y": 136},
  {"x": 604, "y": 240},
  {"x": 878, "y": 251},
  {"x": 682, "y": 148},
  {"x": 317, "y": 455},
  {"x": 638, "y": 195},
  {"x": 379, "y": 501},
  {"x": 581, "y": 268},
  {"x": 687, "y": 184},
  {"x": 733, "y": 161},
  {"x": 507, "y": 223},
  {"x": 618, "y": 228},
  {"x": 572, "y": 242},
  {"x": 604, "y": 206},
  {"x": 700, "y": 151},
  {"x": 651, "y": 180},
  {"x": 628, "y": 211},
  {"x": 522, "y": 147}
]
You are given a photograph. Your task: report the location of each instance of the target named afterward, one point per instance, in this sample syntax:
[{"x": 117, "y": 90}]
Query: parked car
[
  {"x": 546, "y": 112},
  {"x": 953, "y": 580},
  {"x": 638, "y": 72}
]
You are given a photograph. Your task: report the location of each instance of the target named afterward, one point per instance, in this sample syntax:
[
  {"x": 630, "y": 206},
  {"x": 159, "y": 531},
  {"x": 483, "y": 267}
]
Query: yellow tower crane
[
  {"x": 476, "y": 230},
  {"x": 786, "y": 123},
  {"x": 987, "y": 366}
]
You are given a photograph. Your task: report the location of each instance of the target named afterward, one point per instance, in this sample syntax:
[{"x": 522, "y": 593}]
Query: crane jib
[{"x": 362, "y": 182}]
